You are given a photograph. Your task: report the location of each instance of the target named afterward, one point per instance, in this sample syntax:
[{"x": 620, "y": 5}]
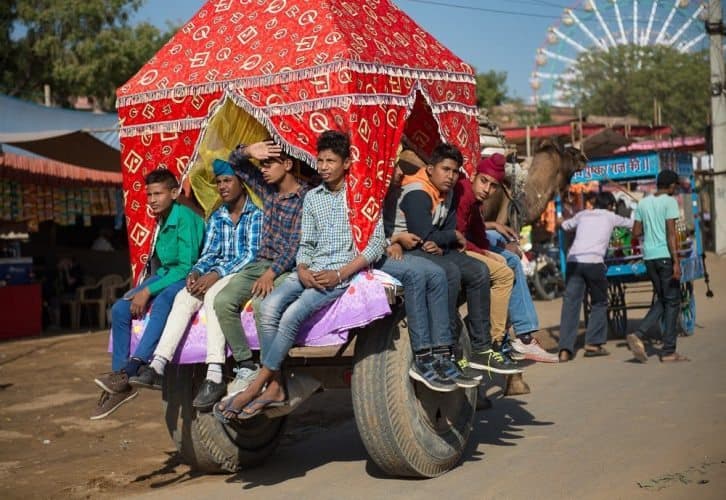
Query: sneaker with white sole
[
  {"x": 452, "y": 371},
  {"x": 109, "y": 402},
  {"x": 431, "y": 375},
  {"x": 244, "y": 376},
  {"x": 493, "y": 361},
  {"x": 468, "y": 371},
  {"x": 533, "y": 351}
]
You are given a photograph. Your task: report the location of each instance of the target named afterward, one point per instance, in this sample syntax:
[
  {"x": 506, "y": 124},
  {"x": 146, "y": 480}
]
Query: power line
[{"x": 527, "y": 14}]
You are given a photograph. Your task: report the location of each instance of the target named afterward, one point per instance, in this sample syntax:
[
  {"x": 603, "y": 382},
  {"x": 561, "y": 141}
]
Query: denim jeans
[
  {"x": 474, "y": 276},
  {"x": 522, "y": 313},
  {"x": 666, "y": 305},
  {"x": 582, "y": 276},
  {"x": 121, "y": 323},
  {"x": 283, "y": 311},
  {"x": 425, "y": 298}
]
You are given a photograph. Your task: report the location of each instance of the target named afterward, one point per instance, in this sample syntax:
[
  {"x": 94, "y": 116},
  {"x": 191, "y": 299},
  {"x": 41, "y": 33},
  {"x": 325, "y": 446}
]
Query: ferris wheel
[{"x": 600, "y": 25}]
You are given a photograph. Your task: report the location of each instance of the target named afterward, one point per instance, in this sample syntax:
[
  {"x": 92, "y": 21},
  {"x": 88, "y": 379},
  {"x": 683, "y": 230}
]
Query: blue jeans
[
  {"x": 666, "y": 305},
  {"x": 283, "y": 312},
  {"x": 121, "y": 324},
  {"x": 582, "y": 276},
  {"x": 426, "y": 300},
  {"x": 462, "y": 270},
  {"x": 521, "y": 311}
]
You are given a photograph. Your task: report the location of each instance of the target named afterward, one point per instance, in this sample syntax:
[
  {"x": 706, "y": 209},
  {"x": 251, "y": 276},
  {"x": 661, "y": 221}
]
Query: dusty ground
[{"x": 602, "y": 428}]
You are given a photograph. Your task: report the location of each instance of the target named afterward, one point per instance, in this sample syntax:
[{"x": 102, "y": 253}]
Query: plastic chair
[{"x": 96, "y": 297}]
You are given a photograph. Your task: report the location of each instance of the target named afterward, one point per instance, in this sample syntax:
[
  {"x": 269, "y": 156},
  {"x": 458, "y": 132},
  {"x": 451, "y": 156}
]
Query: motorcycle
[{"x": 540, "y": 264}]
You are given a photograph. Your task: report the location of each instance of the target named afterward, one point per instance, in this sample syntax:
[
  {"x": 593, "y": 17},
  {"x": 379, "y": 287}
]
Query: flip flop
[
  {"x": 262, "y": 405},
  {"x": 219, "y": 414},
  {"x": 600, "y": 351}
]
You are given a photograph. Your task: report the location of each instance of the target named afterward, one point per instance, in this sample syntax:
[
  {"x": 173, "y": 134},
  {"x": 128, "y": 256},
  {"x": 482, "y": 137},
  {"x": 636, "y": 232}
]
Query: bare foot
[
  {"x": 231, "y": 409},
  {"x": 274, "y": 393},
  {"x": 675, "y": 357}
]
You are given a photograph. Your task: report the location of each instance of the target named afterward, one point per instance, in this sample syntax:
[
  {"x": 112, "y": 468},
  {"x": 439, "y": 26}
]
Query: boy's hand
[
  {"x": 409, "y": 241},
  {"x": 307, "y": 279},
  {"x": 506, "y": 231},
  {"x": 192, "y": 278},
  {"x": 514, "y": 248},
  {"x": 263, "y": 150},
  {"x": 327, "y": 278},
  {"x": 395, "y": 251},
  {"x": 138, "y": 303},
  {"x": 432, "y": 247},
  {"x": 676, "y": 271},
  {"x": 264, "y": 284},
  {"x": 460, "y": 240},
  {"x": 200, "y": 287}
]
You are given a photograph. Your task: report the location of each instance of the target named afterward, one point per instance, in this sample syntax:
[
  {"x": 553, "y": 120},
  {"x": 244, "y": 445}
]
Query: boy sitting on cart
[{"x": 326, "y": 261}]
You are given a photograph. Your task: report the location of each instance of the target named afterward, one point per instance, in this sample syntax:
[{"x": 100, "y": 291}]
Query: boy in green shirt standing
[
  {"x": 655, "y": 220},
  {"x": 177, "y": 247}
]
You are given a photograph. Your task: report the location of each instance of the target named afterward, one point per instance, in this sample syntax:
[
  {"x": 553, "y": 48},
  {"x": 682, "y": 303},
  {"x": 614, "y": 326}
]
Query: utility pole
[{"x": 715, "y": 30}]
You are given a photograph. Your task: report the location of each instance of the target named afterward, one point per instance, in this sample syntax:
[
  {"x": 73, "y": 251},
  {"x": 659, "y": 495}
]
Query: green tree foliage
[
  {"x": 625, "y": 80},
  {"x": 78, "y": 47},
  {"x": 491, "y": 88}
]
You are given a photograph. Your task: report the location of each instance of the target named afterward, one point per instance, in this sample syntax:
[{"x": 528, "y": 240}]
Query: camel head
[{"x": 550, "y": 172}]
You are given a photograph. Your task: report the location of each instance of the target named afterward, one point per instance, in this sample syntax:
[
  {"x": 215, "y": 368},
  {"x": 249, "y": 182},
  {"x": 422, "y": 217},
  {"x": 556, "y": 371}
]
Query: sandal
[
  {"x": 673, "y": 358},
  {"x": 599, "y": 351},
  {"x": 219, "y": 413},
  {"x": 262, "y": 405}
]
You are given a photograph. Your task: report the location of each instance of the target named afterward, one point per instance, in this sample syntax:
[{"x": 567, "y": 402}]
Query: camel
[{"x": 550, "y": 172}]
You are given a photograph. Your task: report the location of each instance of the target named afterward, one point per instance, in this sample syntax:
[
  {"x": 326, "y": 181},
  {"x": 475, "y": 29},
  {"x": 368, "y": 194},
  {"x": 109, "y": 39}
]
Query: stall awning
[
  {"x": 74, "y": 137},
  {"x": 43, "y": 167}
]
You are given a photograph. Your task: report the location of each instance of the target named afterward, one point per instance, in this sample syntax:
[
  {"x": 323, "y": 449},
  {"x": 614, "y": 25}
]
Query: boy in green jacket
[{"x": 177, "y": 247}]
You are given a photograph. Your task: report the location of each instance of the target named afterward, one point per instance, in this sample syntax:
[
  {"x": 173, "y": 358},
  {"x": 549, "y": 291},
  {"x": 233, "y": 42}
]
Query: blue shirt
[
  {"x": 326, "y": 240},
  {"x": 228, "y": 247}
]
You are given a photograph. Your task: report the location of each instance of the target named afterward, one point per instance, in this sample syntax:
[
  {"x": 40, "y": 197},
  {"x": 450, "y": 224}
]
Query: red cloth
[
  {"x": 469, "y": 221},
  {"x": 299, "y": 67}
]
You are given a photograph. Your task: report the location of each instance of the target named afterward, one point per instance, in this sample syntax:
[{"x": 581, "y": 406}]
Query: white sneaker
[
  {"x": 242, "y": 380},
  {"x": 533, "y": 351}
]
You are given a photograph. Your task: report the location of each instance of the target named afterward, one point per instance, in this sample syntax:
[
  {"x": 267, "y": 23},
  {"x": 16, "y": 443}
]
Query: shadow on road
[{"x": 502, "y": 425}]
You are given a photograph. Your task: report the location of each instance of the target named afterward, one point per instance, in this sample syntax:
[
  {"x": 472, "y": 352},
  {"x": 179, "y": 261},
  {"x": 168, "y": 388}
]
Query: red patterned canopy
[{"x": 299, "y": 67}]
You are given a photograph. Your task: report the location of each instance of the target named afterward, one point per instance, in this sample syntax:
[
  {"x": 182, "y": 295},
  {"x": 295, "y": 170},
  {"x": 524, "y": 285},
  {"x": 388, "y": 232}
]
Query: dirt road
[{"x": 592, "y": 428}]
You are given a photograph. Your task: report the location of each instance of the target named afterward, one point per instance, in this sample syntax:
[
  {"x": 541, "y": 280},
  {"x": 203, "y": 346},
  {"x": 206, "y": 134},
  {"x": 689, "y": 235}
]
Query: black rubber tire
[
  {"x": 204, "y": 443},
  {"x": 617, "y": 310},
  {"x": 394, "y": 414}
]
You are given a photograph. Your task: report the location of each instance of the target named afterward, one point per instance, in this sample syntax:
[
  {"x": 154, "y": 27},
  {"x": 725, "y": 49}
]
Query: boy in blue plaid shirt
[
  {"x": 326, "y": 261},
  {"x": 231, "y": 242}
]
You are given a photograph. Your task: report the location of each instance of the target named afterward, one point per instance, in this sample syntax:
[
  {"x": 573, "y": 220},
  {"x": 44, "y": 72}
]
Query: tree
[
  {"x": 527, "y": 115},
  {"x": 625, "y": 80},
  {"x": 491, "y": 88},
  {"x": 78, "y": 47}
]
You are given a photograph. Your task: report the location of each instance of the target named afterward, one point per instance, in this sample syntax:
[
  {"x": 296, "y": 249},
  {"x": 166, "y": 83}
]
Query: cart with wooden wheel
[{"x": 630, "y": 178}]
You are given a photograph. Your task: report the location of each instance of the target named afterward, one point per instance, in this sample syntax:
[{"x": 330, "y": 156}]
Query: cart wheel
[
  {"x": 688, "y": 308},
  {"x": 617, "y": 310}
]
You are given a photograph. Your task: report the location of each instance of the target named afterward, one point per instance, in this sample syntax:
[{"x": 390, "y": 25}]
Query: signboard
[{"x": 620, "y": 167}]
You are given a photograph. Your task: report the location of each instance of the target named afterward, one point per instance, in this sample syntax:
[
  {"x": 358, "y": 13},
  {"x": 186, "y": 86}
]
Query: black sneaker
[
  {"x": 113, "y": 382},
  {"x": 147, "y": 378},
  {"x": 209, "y": 393},
  {"x": 493, "y": 361},
  {"x": 452, "y": 371},
  {"x": 430, "y": 375},
  {"x": 468, "y": 371}
]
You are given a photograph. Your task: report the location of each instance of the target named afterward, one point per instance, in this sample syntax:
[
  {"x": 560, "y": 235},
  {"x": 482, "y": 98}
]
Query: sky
[{"x": 486, "y": 40}]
